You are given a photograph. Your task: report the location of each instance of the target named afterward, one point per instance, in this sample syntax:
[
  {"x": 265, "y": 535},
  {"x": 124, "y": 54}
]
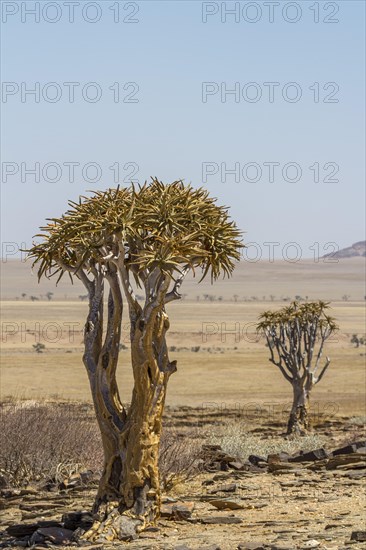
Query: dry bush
[
  {"x": 237, "y": 442},
  {"x": 41, "y": 441},
  {"x": 52, "y": 441},
  {"x": 179, "y": 458}
]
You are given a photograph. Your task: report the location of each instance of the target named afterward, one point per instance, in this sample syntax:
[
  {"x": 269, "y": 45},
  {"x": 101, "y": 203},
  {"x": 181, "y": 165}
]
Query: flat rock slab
[
  {"x": 359, "y": 536},
  {"x": 224, "y": 503},
  {"x": 56, "y": 535},
  {"x": 219, "y": 520},
  {"x": 312, "y": 456},
  {"x": 252, "y": 545}
]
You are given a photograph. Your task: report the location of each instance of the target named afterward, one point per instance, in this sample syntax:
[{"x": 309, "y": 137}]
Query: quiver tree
[
  {"x": 295, "y": 336},
  {"x": 147, "y": 238}
]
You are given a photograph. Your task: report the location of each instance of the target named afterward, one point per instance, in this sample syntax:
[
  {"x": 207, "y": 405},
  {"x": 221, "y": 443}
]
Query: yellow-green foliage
[{"x": 169, "y": 226}]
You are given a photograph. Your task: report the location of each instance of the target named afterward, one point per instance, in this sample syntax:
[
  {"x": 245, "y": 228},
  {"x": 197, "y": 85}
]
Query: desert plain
[{"x": 224, "y": 392}]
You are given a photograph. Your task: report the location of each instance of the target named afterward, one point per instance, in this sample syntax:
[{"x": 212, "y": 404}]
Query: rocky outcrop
[{"x": 357, "y": 249}]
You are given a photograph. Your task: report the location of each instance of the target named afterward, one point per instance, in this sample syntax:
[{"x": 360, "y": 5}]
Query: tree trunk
[
  {"x": 128, "y": 498},
  {"x": 299, "y": 422}
]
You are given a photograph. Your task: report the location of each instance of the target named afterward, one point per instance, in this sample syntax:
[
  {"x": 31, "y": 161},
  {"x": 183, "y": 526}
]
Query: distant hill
[{"x": 357, "y": 249}]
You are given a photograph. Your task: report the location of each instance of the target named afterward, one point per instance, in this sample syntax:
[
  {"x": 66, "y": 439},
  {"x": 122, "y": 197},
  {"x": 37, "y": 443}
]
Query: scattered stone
[
  {"x": 126, "y": 528},
  {"x": 177, "y": 510},
  {"x": 237, "y": 466},
  {"x": 282, "y": 467},
  {"x": 350, "y": 460},
  {"x": 312, "y": 543},
  {"x": 22, "y": 530},
  {"x": 252, "y": 545},
  {"x": 278, "y": 457},
  {"x": 229, "y": 488},
  {"x": 359, "y": 536},
  {"x": 257, "y": 460},
  {"x": 29, "y": 491},
  {"x": 312, "y": 456},
  {"x": 56, "y": 535},
  {"x": 224, "y": 503},
  {"x": 35, "y": 506},
  {"x": 349, "y": 449},
  {"x": 219, "y": 520}
]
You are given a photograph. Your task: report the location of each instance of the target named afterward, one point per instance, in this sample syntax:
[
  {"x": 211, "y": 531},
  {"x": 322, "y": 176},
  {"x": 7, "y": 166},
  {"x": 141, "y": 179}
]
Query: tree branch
[
  {"x": 316, "y": 380},
  {"x": 174, "y": 293}
]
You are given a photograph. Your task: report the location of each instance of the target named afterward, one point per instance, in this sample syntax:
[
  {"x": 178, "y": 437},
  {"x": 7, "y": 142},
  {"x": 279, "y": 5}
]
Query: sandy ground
[{"x": 231, "y": 366}]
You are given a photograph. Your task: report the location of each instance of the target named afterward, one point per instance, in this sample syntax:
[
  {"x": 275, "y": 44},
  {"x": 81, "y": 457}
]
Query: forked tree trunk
[
  {"x": 128, "y": 498},
  {"x": 299, "y": 421}
]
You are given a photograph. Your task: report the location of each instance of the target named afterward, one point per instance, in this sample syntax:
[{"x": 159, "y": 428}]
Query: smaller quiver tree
[{"x": 295, "y": 336}]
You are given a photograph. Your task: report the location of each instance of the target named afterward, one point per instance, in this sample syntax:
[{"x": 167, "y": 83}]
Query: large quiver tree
[
  {"x": 147, "y": 238},
  {"x": 295, "y": 336}
]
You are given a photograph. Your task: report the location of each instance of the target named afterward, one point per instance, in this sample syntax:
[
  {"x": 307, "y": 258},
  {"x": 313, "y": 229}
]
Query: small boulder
[
  {"x": 257, "y": 460},
  {"x": 312, "y": 456},
  {"x": 56, "y": 535},
  {"x": 177, "y": 510},
  {"x": 359, "y": 536}
]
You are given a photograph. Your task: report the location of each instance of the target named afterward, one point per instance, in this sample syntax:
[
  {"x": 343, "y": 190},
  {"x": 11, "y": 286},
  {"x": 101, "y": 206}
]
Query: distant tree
[
  {"x": 272, "y": 297},
  {"x": 34, "y": 298},
  {"x": 235, "y": 297},
  {"x": 83, "y": 297},
  {"x": 23, "y": 295},
  {"x": 346, "y": 297},
  {"x": 357, "y": 340},
  {"x": 298, "y": 298},
  {"x": 49, "y": 295},
  {"x": 38, "y": 347},
  {"x": 150, "y": 237},
  {"x": 295, "y": 336}
]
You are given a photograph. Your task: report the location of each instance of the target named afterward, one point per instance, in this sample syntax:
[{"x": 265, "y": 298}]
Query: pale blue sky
[{"x": 170, "y": 132}]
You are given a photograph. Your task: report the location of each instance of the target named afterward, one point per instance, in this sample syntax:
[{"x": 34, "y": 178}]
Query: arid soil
[{"x": 315, "y": 502}]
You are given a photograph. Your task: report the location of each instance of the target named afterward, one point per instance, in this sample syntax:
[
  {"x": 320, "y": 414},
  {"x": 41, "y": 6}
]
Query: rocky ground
[{"x": 313, "y": 499}]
